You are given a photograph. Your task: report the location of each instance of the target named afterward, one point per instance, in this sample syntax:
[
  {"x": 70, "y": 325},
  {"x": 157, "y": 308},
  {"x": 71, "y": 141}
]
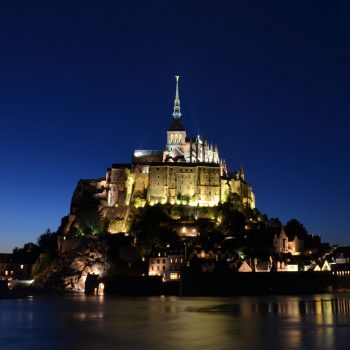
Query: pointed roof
[
  {"x": 326, "y": 266},
  {"x": 317, "y": 268},
  {"x": 245, "y": 267},
  {"x": 176, "y": 124},
  {"x": 283, "y": 233},
  {"x": 177, "y": 110},
  {"x": 241, "y": 172}
]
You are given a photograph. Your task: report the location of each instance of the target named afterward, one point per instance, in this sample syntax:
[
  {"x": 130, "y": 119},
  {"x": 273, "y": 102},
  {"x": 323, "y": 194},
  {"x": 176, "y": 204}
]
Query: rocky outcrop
[
  {"x": 86, "y": 195},
  {"x": 69, "y": 271},
  {"x": 89, "y": 214}
]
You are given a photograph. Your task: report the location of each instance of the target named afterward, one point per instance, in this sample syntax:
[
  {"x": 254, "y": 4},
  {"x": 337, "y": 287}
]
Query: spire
[
  {"x": 176, "y": 124},
  {"x": 177, "y": 111},
  {"x": 241, "y": 172}
]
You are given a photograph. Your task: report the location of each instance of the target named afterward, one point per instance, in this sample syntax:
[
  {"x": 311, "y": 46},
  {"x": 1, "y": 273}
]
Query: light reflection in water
[
  {"x": 84, "y": 316},
  {"x": 281, "y": 322}
]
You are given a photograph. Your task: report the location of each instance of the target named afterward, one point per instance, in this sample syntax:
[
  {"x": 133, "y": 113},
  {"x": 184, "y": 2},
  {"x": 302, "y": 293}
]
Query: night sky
[{"x": 83, "y": 84}]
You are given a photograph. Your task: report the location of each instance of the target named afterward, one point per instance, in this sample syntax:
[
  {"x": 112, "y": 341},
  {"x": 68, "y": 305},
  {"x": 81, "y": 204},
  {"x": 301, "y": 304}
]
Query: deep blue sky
[{"x": 82, "y": 84}]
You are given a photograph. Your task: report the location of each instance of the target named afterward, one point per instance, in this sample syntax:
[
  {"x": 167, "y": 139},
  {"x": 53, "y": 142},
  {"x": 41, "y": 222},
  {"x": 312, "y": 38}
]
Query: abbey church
[{"x": 189, "y": 171}]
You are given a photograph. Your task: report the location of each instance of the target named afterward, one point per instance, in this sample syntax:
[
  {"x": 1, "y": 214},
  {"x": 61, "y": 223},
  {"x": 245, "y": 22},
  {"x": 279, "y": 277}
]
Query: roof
[
  {"x": 182, "y": 164},
  {"x": 263, "y": 266},
  {"x": 162, "y": 252},
  {"x": 10, "y": 258},
  {"x": 176, "y": 125},
  {"x": 147, "y": 153},
  {"x": 120, "y": 165}
]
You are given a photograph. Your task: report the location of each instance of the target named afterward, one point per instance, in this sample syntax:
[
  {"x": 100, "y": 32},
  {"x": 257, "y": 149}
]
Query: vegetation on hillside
[{"x": 230, "y": 226}]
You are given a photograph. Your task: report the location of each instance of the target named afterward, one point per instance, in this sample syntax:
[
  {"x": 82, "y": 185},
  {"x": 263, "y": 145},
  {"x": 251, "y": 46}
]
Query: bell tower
[{"x": 176, "y": 134}]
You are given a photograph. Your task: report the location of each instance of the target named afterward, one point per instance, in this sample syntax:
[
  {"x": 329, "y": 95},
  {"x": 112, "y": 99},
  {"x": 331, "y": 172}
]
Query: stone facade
[
  {"x": 189, "y": 171},
  {"x": 167, "y": 264},
  {"x": 284, "y": 244}
]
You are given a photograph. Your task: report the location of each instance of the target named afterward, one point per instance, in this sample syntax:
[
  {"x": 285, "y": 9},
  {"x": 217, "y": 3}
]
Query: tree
[
  {"x": 294, "y": 227},
  {"x": 274, "y": 226},
  {"x": 177, "y": 212},
  {"x": 210, "y": 238},
  {"x": 29, "y": 252},
  {"x": 232, "y": 221},
  {"x": 237, "y": 246},
  {"x": 151, "y": 225},
  {"x": 47, "y": 242},
  {"x": 92, "y": 222},
  {"x": 235, "y": 200}
]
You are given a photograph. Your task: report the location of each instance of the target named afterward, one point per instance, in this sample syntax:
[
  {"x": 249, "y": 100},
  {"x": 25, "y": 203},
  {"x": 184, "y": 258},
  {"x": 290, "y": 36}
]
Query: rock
[{"x": 69, "y": 271}]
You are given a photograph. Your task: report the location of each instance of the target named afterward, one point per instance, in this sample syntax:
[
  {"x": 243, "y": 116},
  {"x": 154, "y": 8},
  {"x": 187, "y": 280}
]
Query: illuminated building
[
  {"x": 166, "y": 264},
  {"x": 187, "y": 230},
  {"x": 245, "y": 267},
  {"x": 284, "y": 244},
  {"x": 189, "y": 171},
  {"x": 16, "y": 268}
]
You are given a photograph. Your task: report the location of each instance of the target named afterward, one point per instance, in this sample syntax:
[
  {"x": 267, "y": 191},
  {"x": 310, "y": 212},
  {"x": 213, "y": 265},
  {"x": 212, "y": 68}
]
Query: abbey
[{"x": 189, "y": 171}]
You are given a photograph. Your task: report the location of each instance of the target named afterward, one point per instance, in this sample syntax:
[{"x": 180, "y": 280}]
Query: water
[{"x": 172, "y": 323}]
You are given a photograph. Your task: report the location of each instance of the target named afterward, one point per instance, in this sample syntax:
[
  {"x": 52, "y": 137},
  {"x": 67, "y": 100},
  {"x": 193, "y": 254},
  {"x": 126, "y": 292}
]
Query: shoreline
[{"x": 196, "y": 284}]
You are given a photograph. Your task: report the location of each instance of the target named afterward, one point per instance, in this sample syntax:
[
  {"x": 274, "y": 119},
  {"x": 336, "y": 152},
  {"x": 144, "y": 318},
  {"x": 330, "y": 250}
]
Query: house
[
  {"x": 263, "y": 266},
  {"x": 245, "y": 267},
  {"x": 287, "y": 244},
  {"x": 187, "y": 230},
  {"x": 14, "y": 268},
  {"x": 166, "y": 263}
]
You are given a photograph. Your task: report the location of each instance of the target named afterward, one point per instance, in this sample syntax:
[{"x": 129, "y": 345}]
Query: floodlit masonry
[{"x": 189, "y": 171}]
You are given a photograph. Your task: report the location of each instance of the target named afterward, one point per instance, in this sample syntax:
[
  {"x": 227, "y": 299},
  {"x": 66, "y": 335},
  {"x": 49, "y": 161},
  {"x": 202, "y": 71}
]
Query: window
[
  {"x": 157, "y": 268},
  {"x": 163, "y": 268},
  {"x": 163, "y": 261},
  {"x": 174, "y": 276}
]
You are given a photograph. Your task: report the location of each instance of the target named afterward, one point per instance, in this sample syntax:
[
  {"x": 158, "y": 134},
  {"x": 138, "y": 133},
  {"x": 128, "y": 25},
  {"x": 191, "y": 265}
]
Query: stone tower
[{"x": 176, "y": 134}]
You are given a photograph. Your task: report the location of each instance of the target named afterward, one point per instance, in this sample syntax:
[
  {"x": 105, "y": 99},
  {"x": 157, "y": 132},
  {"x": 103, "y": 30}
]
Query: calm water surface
[{"x": 79, "y": 322}]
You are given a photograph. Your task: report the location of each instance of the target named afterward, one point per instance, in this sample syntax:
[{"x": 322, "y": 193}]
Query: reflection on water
[{"x": 283, "y": 322}]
